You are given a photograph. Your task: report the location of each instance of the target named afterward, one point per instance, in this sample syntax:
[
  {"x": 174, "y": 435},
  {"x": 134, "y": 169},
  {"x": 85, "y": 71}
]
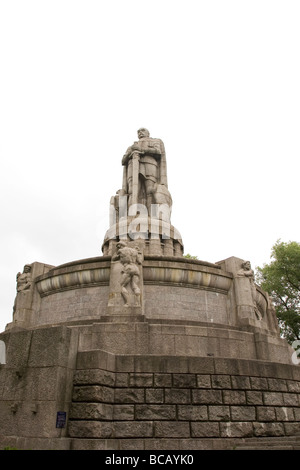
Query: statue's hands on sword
[{"x": 134, "y": 150}]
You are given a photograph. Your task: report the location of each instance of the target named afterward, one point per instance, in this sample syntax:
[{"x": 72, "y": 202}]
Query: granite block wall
[{"x": 196, "y": 400}]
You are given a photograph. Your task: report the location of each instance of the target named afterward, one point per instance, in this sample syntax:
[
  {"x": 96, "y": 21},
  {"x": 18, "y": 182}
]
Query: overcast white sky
[{"x": 216, "y": 80}]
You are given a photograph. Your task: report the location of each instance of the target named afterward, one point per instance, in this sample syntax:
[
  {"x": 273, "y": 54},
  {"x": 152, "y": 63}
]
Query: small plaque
[{"x": 61, "y": 417}]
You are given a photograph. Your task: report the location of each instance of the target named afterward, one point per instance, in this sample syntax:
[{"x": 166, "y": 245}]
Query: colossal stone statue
[
  {"x": 145, "y": 172},
  {"x": 141, "y": 209}
]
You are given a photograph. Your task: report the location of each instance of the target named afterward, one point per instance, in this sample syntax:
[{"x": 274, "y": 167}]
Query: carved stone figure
[
  {"x": 248, "y": 272},
  {"x": 130, "y": 258},
  {"x": 145, "y": 172},
  {"x": 24, "y": 279}
]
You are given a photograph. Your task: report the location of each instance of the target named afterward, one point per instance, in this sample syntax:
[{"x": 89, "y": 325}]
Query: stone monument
[{"x": 142, "y": 348}]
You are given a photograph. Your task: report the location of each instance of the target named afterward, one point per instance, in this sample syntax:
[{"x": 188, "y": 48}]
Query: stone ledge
[
  {"x": 262, "y": 443},
  {"x": 187, "y": 364}
]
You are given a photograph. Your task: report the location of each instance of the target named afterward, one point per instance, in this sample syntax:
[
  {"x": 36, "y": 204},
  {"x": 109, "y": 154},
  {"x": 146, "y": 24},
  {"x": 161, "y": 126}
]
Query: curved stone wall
[
  {"x": 174, "y": 288},
  {"x": 185, "y": 273},
  {"x": 75, "y": 275}
]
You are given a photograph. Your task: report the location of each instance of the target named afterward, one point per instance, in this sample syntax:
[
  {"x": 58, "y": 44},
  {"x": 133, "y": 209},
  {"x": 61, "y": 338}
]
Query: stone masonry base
[
  {"x": 141, "y": 401},
  {"x": 156, "y": 402}
]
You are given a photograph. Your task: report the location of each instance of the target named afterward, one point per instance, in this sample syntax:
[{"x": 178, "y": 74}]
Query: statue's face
[{"x": 143, "y": 133}]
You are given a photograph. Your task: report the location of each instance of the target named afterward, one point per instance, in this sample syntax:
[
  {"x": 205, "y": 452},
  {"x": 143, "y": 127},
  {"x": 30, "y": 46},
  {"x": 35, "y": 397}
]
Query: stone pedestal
[{"x": 154, "y": 236}]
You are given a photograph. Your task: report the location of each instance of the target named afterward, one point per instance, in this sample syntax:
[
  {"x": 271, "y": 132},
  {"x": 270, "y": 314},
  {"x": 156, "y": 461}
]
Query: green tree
[{"x": 281, "y": 279}]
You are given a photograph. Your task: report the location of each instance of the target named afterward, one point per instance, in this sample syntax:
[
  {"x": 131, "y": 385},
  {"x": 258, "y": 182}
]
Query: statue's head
[
  {"x": 27, "y": 268},
  {"x": 121, "y": 245},
  {"x": 142, "y": 132},
  {"x": 246, "y": 265}
]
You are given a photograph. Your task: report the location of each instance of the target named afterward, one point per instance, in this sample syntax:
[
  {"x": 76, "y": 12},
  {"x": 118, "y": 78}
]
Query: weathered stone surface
[
  {"x": 221, "y": 381},
  {"x": 297, "y": 413},
  {"x": 292, "y": 429},
  {"x": 240, "y": 382},
  {"x": 131, "y": 444},
  {"x": 203, "y": 381},
  {"x": 290, "y": 399},
  {"x": 94, "y": 377},
  {"x": 93, "y": 393},
  {"x": 162, "y": 380},
  {"x": 171, "y": 429},
  {"x": 94, "y": 444},
  {"x": 219, "y": 413},
  {"x": 243, "y": 413},
  {"x": 277, "y": 385},
  {"x": 155, "y": 412},
  {"x": 125, "y": 429},
  {"x": 121, "y": 379},
  {"x": 293, "y": 386},
  {"x": 129, "y": 395},
  {"x": 236, "y": 429},
  {"x": 154, "y": 395},
  {"x": 266, "y": 413},
  {"x": 205, "y": 429},
  {"x": 184, "y": 380},
  {"x": 285, "y": 414},
  {"x": 268, "y": 429},
  {"x": 178, "y": 395},
  {"x": 123, "y": 412},
  {"x": 91, "y": 411},
  {"x": 192, "y": 412},
  {"x": 234, "y": 397},
  {"x": 207, "y": 396},
  {"x": 94, "y": 429},
  {"x": 254, "y": 398},
  {"x": 273, "y": 398},
  {"x": 140, "y": 380},
  {"x": 258, "y": 383}
]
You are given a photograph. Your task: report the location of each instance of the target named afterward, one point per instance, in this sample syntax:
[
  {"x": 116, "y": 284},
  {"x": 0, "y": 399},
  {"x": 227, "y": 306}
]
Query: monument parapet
[{"x": 142, "y": 346}]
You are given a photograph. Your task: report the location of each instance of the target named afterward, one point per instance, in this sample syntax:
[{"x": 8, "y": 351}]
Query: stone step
[
  {"x": 172, "y": 444},
  {"x": 265, "y": 447},
  {"x": 270, "y": 443}
]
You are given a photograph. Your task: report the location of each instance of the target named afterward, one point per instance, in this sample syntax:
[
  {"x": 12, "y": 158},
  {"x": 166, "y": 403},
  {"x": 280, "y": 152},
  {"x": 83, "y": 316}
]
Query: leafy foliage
[
  {"x": 281, "y": 279},
  {"x": 190, "y": 256}
]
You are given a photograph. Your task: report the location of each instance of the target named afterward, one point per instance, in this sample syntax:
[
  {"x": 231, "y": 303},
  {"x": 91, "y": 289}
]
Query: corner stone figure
[
  {"x": 130, "y": 258},
  {"x": 23, "y": 298},
  {"x": 24, "y": 279},
  {"x": 249, "y": 273},
  {"x": 145, "y": 172}
]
